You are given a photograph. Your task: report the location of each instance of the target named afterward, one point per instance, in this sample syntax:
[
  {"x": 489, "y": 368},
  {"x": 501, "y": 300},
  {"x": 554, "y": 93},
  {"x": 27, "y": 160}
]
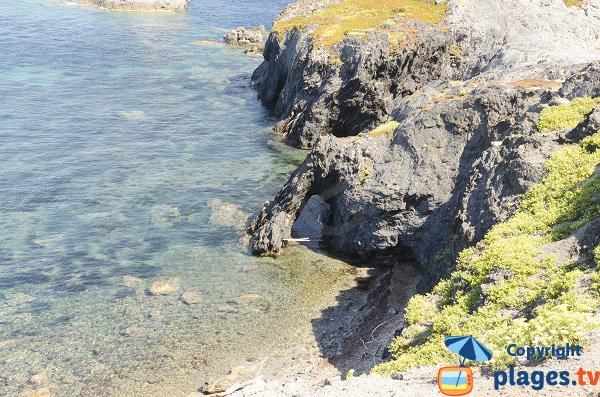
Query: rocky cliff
[{"x": 420, "y": 144}]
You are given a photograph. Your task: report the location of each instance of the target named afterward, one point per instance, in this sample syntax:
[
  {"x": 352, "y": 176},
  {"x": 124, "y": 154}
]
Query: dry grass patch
[
  {"x": 535, "y": 83},
  {"x": 359, "y": 17},
  {"x": 386, "y": 129}
]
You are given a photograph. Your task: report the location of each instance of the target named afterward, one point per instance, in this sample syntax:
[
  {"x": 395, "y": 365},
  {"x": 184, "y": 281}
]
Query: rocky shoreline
[
  {"x": 466, "y": 124},
  {"x": 416, "y": 152}
]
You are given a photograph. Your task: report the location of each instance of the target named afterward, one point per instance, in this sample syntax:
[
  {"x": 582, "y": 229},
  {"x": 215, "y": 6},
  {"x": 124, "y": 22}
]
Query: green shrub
[
  {"x": 503, "y": 291},
  {"x": 567, "y": 115}
]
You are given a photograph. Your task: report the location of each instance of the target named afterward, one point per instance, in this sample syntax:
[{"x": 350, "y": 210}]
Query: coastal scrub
[
  {"x": 567, "y": 115},
  {"x": 505, "y": 289},
  {"x": 357, "y": 17}
]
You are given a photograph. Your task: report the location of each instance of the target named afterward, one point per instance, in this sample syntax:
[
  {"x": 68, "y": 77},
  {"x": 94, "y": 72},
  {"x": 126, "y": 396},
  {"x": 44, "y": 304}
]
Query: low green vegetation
[
  {"x": 357, "y": 17},
  {"x": 510, "y": 288},
  {"x": 567, "y": 115}
]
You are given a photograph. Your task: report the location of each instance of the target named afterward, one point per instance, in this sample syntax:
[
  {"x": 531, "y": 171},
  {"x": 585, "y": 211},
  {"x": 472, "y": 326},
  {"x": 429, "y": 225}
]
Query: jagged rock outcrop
[
  {"x": 351, "y": 87},
  {"x": 314, "y": 95},
  {"x": 141, "y": 5},
  {"x": 462, "y": 151},
  {"x": 452, "y": 170},
  {"x": 243, "y": 36}
]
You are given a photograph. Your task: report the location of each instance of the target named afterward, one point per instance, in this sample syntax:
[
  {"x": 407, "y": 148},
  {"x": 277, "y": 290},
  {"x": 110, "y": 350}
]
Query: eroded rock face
[
  {"x": 312, "y": 218},
  {"x": 352, "y": 86},
  {"x": 454, "y": 167},
  {"x": 463, "y": 151},
  {"x": 314, "y": 95}
]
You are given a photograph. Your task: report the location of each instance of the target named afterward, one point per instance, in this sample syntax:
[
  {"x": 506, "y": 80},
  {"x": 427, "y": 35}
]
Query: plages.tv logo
[{"x": 458, "y": 381}]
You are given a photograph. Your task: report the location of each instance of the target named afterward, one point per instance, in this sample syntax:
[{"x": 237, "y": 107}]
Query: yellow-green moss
[
  {"x": 364, "y": 174},
  {"x": 503, "y": 291},
  {"x": 386, "y": 129},
  {"x": 573, "y": 3},
  {"x": 567, "y": 115},
  {"x": 356, "y": 17}
]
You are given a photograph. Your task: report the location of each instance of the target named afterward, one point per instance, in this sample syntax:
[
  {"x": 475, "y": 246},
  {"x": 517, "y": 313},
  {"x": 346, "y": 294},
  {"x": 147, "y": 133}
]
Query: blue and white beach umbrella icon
[{"x": 468, "y": 348}]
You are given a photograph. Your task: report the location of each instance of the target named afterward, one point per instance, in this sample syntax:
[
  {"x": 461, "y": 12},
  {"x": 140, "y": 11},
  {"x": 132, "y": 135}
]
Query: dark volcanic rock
[
  {"x": 462, "y": 152},
  {"x": 454, "y": 168},
  {"x": 435, "y": 187},
  {"x": 314, "y": 95}
]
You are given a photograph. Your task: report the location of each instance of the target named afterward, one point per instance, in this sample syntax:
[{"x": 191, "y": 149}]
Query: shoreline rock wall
[
  {"x": 460, "y": 153},
  {"x": 316, "y": 93}
]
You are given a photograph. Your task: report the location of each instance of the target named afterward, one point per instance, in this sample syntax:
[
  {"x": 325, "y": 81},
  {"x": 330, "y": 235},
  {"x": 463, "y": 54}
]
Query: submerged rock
[
  {"x": 247, "y": 298},
  {"x": 164, "y": 216},
  {"x": 164, "y": 286},
  {"x": 41, "y": 392},
  {"x": 130, "y": 331},
  {"x": 227, "y": 309},
  {"x": 39, "y": 378},
  {"x": 226, "y": 214},
  {"x": 191, "y": 298},
  {"x": 253, "y": 51},
  {"x": 131, "y": 281},
  {"x": 18, "y": 298}
]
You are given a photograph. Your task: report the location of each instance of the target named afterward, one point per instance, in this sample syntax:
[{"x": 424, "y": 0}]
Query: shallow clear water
[{"x": 128, "y": 149}]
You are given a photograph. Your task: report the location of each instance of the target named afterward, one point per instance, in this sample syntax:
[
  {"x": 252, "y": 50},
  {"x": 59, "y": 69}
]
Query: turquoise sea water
[{"x": 130, "y": 152}]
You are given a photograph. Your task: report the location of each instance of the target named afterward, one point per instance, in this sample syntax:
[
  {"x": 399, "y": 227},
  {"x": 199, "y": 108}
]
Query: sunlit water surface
[{"x": 131, "y": 152}]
